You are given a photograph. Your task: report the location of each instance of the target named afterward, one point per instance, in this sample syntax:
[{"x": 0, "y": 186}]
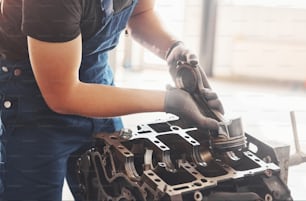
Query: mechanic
[{"x": 57, "y": 87}]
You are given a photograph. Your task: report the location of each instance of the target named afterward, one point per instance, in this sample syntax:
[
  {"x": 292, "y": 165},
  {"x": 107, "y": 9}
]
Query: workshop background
[{"x": 254, "y": 52}]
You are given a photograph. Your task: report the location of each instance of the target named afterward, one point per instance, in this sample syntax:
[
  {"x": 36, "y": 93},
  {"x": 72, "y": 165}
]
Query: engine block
[{"x": 172, "y": 161}]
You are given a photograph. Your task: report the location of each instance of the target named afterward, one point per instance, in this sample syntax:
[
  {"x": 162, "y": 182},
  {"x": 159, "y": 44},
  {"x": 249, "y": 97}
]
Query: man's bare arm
[
  {"x": 146, "y": 28},
  {"x": 56, "y": 68}
]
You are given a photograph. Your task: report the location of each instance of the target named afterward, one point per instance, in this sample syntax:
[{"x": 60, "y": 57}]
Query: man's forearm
[
  {"x": 146, "y": 28},
  {"x": 96, "y": 100}
]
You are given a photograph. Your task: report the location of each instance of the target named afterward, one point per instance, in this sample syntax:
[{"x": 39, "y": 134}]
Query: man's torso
[{"x": 13, "y": 43}]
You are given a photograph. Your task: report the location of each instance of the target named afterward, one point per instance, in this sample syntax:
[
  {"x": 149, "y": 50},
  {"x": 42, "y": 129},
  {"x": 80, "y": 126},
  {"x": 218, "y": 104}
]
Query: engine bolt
[
  {"x": 198, "y": 196},
  {"x": 125, "y": 133},
  {"x": 268, "y": 197},
  {"x": 268, "y": 173}
]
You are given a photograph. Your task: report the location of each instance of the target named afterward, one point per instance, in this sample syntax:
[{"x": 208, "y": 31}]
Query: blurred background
[{"x": 254, "y": 52}]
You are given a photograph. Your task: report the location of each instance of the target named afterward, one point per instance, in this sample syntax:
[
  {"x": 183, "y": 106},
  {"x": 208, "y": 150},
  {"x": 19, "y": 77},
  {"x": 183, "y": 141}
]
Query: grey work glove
[
  {"x": 178, "y": 52},
  {"x": 213, "y": 100},
  {"x": 180, "y": 103}
]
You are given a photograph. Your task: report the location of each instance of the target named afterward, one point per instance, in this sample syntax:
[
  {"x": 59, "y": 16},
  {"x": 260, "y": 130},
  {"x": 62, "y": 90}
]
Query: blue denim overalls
[{"x": 40, "y": 147}]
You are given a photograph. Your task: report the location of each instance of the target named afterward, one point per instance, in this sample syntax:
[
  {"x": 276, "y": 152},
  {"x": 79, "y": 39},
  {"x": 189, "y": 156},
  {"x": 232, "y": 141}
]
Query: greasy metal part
[
  {"x": 125, "y": 133},
  {"x": 230, "y": 134},
  {"x": 299, "y": 156},
  {"x": 168, "y": 161},
  {"x": 271, "y": 152}
]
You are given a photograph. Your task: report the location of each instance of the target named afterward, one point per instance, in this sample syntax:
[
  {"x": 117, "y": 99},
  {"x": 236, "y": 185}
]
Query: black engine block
[{"x": 171, "y": 161}]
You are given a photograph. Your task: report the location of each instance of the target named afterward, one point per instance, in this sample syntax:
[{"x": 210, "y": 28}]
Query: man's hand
[
  {"x": 213, "y": 100},
  {"x": 178, "y": 52},
  {"x": 180, "y": 103}
]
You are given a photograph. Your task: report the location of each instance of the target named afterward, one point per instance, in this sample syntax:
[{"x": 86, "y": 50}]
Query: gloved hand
[
  {"x": 178, "y": 52},
  {"x": 180, "y": 103}
]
